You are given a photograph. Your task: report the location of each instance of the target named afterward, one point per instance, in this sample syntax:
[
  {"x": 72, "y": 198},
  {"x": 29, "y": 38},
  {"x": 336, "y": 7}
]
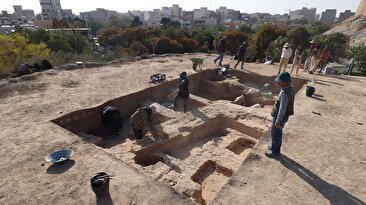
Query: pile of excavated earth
[{"x": 212, "y": 154}]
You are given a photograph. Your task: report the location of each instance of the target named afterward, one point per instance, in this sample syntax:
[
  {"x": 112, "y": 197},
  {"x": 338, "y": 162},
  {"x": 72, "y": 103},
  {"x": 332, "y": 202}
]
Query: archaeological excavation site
[{"x": 196, "y": 152}]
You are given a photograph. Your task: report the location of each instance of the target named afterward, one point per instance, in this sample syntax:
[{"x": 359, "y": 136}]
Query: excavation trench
[{"x": 196, "y": 159}]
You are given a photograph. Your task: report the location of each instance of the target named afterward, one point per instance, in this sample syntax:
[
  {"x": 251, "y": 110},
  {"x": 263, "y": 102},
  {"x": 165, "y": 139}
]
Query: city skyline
[{"x": 264, "y": 6}]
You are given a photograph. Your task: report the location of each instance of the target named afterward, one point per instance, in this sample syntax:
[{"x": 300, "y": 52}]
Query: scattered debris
[{"x": 317, "y": 113}]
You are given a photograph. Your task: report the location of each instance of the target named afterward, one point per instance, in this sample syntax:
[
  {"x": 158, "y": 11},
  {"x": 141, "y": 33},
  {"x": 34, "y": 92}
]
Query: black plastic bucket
[
  {"x": 310, "y": 90},
  {"x": 100, "y": 184}
]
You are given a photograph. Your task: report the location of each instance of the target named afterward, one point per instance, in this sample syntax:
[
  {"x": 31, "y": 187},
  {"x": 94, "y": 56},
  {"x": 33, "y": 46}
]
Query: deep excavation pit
[{"x": 195, "y": 152}]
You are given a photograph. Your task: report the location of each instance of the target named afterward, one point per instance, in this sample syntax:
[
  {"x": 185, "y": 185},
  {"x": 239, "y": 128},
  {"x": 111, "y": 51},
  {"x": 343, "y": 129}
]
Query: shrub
[
  {"x": 359, "y": 53},
  {"x": 234, "y": 39},
  {"x": 263, "y": 36},
  {"x": 189, "y": 45},
  {"x": 167, "y": 45},
  {"x": 15, "y": 50},
  {"x": 274, "y": 49},
  {"x": 337, "y": 43},
  {"x": 138, "y": 48}
]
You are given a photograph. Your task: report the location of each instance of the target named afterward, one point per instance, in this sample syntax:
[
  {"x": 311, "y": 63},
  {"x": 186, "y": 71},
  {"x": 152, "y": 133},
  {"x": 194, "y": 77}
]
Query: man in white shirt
[{"x": 286, "y": 55}]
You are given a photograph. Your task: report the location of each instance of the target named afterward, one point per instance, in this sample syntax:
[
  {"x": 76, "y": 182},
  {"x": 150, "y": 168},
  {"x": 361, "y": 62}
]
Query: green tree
[
  {"x": 15, "y": 49},
  {"x": 173, "y": 33},
  {"x": 67, "y": 42},
  {"x": 317, "y": 29},
  {"x": 234, "y": 39},
  {"x": 167, "y": 45},
  {"x": 189, "y": 45},
  {"x": 298, "y": 36},
  {"x": 274, "y": 49},
  {"x": 39, "y": 36},
  {"x": 95, "y": 26},
  {"x": 337, "y": 43},
  {"x": 139, "y": 49},
  {"x": 136, "y": 22},
  {"x": 263, "y": 36},
  {"x": 167, "y": 22},
  {"x": 359, "y": 53},
  {"x": 246, "y": 29}
]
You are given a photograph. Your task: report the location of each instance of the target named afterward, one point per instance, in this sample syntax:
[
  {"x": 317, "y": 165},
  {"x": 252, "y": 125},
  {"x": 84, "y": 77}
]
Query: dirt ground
[{"x": 323, "y": 161}]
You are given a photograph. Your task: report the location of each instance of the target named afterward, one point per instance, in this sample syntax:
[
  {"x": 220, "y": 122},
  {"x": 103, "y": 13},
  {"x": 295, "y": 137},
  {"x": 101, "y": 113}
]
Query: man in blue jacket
[{"x": 283, "y": 108}]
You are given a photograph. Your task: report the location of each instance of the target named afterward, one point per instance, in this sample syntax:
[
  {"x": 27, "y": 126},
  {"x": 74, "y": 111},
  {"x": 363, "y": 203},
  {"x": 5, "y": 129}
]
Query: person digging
[
  {"x": 283, "y": 108},
  {"x": 141, "y": 121}
]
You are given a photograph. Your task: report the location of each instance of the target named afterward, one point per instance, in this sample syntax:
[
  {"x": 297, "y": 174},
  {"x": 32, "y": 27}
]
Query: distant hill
[{"x": 354, "y": 27}]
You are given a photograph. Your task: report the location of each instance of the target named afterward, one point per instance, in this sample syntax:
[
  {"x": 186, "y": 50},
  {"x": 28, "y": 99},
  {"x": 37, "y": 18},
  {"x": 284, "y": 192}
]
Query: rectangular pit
[
  {"x": 216, "y": 146},
  {"x": 207, "y": 155}
]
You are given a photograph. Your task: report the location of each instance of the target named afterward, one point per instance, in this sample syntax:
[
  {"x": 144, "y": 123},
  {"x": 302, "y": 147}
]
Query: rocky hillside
[{"x": 355, "y": 27}]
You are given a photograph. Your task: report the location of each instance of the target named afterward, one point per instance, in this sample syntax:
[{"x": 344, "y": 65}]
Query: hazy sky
[{"x": 248, "y": 6}]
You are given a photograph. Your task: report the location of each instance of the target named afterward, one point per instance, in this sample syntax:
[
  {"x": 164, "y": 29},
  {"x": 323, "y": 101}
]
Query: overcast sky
[{"x": 248, "y": 6}]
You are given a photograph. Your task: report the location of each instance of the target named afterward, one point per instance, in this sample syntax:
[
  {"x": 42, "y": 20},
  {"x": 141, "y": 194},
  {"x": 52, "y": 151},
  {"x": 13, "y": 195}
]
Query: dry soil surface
[{"x": 323, "y": 161}]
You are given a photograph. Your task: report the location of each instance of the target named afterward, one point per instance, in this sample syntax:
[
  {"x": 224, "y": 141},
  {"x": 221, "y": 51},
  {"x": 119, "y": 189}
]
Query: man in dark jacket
[
  {"x": 221, "y": 49},
  {"x": 281, "y": 111},
  {"x": 241, "y": 54},
  {"x": 183, "y": 91},
  {"x": 111, "y": 120}
]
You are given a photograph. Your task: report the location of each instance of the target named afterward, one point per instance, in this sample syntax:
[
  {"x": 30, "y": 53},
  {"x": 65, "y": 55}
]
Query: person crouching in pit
[{"x": 141, "y": 120}]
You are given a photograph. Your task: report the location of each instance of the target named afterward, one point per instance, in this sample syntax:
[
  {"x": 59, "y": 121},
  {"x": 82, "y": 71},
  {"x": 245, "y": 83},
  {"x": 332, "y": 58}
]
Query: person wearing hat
[
  {"x": 141, "y": 120},
  {"x": 183, "y": 91},
  {"x": 221, "y": 48},
  {"x": 286, "y": 55},
  {"x": 283, "y": 108},
  {"x": 310, "y": 55}
]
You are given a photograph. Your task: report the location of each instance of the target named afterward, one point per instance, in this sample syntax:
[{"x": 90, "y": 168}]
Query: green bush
[
  {"x": 263, "y": 36},
  {"x": 359, "y": 53},
  {"x": 16, "y": 50},
  {"x": 234, "y": 39},
  {"x": 138, "y": 48},
  {"x": 189, "y": 45},
  {"x": 274, "y": 49},
  {"x": 337, "y": 43},
  {"x": 167, "y": 45}
]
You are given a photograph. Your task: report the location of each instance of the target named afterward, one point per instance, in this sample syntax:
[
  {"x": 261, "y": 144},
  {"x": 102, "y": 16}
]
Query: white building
[
  {"x": 328, "y": 16},
  {"x": 201, "y": 13},
  {"x": 23, "y": 14},
  {"x": 225, "y": 14},
  {"x": 153, "y": 18},
  {"x": 66, "y": 13},
  {"x": 99, "y": 14},
  {"x": 51, "y": 9},
  {"x": 304, "y": 14}
]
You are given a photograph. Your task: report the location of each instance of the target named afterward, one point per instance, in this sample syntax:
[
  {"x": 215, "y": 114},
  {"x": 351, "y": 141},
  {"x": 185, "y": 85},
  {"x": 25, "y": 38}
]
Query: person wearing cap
[
  {"x": 286, "y": 55},
  {"x": 141, "y": 120},
  {"x": 283, "y": 108},
  {"x": 310, "y": 54},
  {"x": 183, "y": 91},
  {"x": 241, "y": 55},
  {"x": 221, "y": 48}
]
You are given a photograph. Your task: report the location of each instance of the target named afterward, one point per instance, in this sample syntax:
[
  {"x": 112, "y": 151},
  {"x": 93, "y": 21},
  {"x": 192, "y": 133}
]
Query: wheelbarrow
[{"x": 197, "y": 63}]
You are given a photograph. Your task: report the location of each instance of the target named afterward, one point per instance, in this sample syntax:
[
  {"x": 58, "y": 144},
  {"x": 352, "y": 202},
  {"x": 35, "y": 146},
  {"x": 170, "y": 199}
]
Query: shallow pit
[
  {"x": 240, "y": 146},
  {"x": 211, "y": 177}
]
